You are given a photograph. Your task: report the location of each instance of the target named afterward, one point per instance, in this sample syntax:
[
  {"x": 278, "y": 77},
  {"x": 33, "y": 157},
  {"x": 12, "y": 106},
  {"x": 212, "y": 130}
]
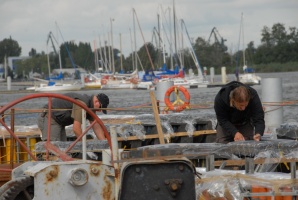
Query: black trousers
[{"x": 247, "y": 130}]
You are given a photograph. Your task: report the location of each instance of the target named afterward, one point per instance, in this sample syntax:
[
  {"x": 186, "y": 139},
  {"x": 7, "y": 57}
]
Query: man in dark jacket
[
  {"x": 65, "y": 113},
  {"x": 239, "y": 112}
]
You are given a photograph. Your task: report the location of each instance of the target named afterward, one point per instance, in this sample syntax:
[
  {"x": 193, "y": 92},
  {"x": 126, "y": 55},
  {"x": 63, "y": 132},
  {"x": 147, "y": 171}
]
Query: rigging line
[
  {"x": 71, "y": 59},
  {"x": 144, "y": 40}
]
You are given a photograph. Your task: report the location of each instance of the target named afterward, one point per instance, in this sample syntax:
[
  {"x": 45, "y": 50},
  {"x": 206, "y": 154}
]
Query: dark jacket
[
  {"x": 228, "y": 116},
  {"x": 64, "y": 117}
]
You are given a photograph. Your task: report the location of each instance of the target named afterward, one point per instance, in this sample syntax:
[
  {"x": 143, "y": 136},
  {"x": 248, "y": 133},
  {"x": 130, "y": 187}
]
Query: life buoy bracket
[{"x": 178, "y": 105}]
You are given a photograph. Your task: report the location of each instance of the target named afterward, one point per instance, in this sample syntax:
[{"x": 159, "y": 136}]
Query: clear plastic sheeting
[
  {"x": 268, "y": 165},
  {"x": 91, "y": 145},
  {"x": 126, "y": 130},
  {"x": 292, "y": 155},
  {"x": 167, "y": 121},
  {"x": 244, "y": 148},
  {"x": 168, "y": 127},
  {"x": 215, "y": 184},
  {"x": 235, "y": 185},
  {"x": 288, "y": 131},
  {"x": 252, "y": 148},
  {"x": 149, "y": 119},
  {"x": 189, "y": 120},
  {"x": 186, "y": 149}
]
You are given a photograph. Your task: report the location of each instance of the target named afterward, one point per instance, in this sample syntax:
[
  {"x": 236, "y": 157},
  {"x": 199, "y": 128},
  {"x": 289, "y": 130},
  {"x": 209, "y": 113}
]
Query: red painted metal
[
  {"x": 50, "y": 96},
  {"x": 49, "y": 146}
]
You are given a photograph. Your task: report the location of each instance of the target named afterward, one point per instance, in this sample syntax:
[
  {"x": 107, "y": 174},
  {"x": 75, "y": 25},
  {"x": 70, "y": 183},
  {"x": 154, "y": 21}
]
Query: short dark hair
[{"x": 104, "y": 101}]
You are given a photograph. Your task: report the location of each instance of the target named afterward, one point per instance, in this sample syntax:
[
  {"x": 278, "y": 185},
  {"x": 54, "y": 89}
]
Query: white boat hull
[
  {"x": 250, "y": 78},
  {"x": 54, "y": 88}
]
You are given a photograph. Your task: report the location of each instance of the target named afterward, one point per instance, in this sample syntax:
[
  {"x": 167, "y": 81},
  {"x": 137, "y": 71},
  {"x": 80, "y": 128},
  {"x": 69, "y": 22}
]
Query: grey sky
[{"x": 30, "y": 21}]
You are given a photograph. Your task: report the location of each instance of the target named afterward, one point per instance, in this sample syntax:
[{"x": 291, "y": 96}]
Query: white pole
[
  {"x": 212, "y": 74},
  {"x": 8, "y": 83},
  {"x": 83, "y": 75},
  {"x": 223, "y": 75},
  {"x": 5, "y": 67},
  {"x": 160, "y": 91},
  {"x": 115, "y": 151},
  {"x": 272, "y": 94}
]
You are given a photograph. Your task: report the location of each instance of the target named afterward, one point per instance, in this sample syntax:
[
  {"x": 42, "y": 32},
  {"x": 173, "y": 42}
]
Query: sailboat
[
  {"x": 248, "y": 76},
  {"x": 51, "y": 85}
]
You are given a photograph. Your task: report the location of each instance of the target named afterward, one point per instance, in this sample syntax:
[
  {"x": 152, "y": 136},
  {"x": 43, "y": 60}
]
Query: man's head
[
  {"x": 104, "y": 101},
  {"x": 239, "y": 98}
]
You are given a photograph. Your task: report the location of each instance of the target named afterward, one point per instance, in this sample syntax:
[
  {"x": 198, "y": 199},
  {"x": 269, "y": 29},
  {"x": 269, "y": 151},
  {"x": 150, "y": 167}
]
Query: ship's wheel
[
  {"x": 23, "y": 187},
  {"x": 48, "y": 145}
]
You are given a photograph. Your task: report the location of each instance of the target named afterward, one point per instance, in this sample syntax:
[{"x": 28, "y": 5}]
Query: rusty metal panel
[
  {"x": 158, "y": 180},
  {"x": 73, "y": 180}
]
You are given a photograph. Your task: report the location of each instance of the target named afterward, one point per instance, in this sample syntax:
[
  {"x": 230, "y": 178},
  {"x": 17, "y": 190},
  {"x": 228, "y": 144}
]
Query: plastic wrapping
[
  {"x": 288, "y": 131},
  {"x": 234, "y": 185},
  {"x": 91, "y": 145},
  {"x": 268, "y": 156},
  {"x": 187, "y": 149}
]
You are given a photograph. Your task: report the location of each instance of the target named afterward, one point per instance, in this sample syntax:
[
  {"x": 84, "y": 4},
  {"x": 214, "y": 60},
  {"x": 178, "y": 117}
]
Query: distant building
[
  {"x": 1, "y": 70},
  {"x": 12, "y": 60}
]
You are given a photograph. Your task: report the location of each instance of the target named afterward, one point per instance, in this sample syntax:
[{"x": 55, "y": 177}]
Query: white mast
[
  {"x": 5, "y": 67},
  {"x": 121, "y": 65},
  {"x": 162, "y": 37}
]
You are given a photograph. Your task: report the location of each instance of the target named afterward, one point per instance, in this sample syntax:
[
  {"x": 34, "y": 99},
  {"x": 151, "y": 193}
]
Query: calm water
[{"x": 133, "y": 102}]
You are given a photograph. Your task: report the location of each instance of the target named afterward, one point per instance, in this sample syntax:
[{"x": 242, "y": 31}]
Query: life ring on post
[{"x": 178, "y": 105}]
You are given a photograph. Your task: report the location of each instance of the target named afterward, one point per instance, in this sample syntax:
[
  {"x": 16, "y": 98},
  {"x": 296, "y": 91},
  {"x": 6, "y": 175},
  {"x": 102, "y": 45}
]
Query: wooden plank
[{"x": 157, "y": 119}]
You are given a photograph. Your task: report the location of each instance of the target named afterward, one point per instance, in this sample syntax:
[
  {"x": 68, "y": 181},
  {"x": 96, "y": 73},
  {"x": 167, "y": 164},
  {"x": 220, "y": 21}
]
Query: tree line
[{"x": 278, "y": 49}]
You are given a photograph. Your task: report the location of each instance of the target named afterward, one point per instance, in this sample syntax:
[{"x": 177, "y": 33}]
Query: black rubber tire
[{"x": 21, "y": 188}]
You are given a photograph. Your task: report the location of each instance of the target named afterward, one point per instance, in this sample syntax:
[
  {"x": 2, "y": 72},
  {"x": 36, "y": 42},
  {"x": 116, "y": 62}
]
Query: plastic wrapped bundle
[
  {"x": 234, "y": 185},
  {"x": 288, "y": 131},
  {"x": 126, "y": 130},
  {"x": 248, "y": 148},
  {"x": 284, "y": 146},
  {"x": 149, "y": 119},
  {"x": 190, "y": 150},
  {"x": 91, "y": 145}
]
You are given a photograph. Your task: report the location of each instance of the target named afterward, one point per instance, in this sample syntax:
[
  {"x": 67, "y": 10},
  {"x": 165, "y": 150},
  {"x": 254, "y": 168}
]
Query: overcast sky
[{"x": 29, "y": 21}]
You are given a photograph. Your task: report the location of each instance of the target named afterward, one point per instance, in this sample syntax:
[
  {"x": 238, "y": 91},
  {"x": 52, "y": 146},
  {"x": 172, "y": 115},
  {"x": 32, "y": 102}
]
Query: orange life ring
[
  {"x": 178, "y": 105},
  {"x": 103, "y": 81}
]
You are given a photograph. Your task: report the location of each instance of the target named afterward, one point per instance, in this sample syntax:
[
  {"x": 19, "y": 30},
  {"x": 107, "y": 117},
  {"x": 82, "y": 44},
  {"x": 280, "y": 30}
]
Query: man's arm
[
  {"x": 98, "y": 131},
  {"x": 77, "y": 128}
]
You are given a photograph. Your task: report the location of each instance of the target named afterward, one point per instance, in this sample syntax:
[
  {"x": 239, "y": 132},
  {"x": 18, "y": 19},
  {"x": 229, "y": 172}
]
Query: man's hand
[
  {"x": 257, "y": 137},
  {"x": 238, "y": 137}
]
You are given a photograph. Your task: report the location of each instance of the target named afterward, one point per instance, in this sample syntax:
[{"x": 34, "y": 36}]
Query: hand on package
[
  {"x": 238, "y": 137},
  {"x": 257, "y": 137}
]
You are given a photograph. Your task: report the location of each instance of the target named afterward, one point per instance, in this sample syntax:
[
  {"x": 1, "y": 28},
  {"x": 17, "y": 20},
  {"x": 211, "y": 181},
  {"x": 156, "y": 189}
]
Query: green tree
[
  {"x": 144, "y": 57},
  {"x": 278, "y": 45},
  {"x": 84, "y": 56},
  {"x": 32, "y": 52},
  {"x": 37, "y": 64},
  {"x": 9, "y": 47}
]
